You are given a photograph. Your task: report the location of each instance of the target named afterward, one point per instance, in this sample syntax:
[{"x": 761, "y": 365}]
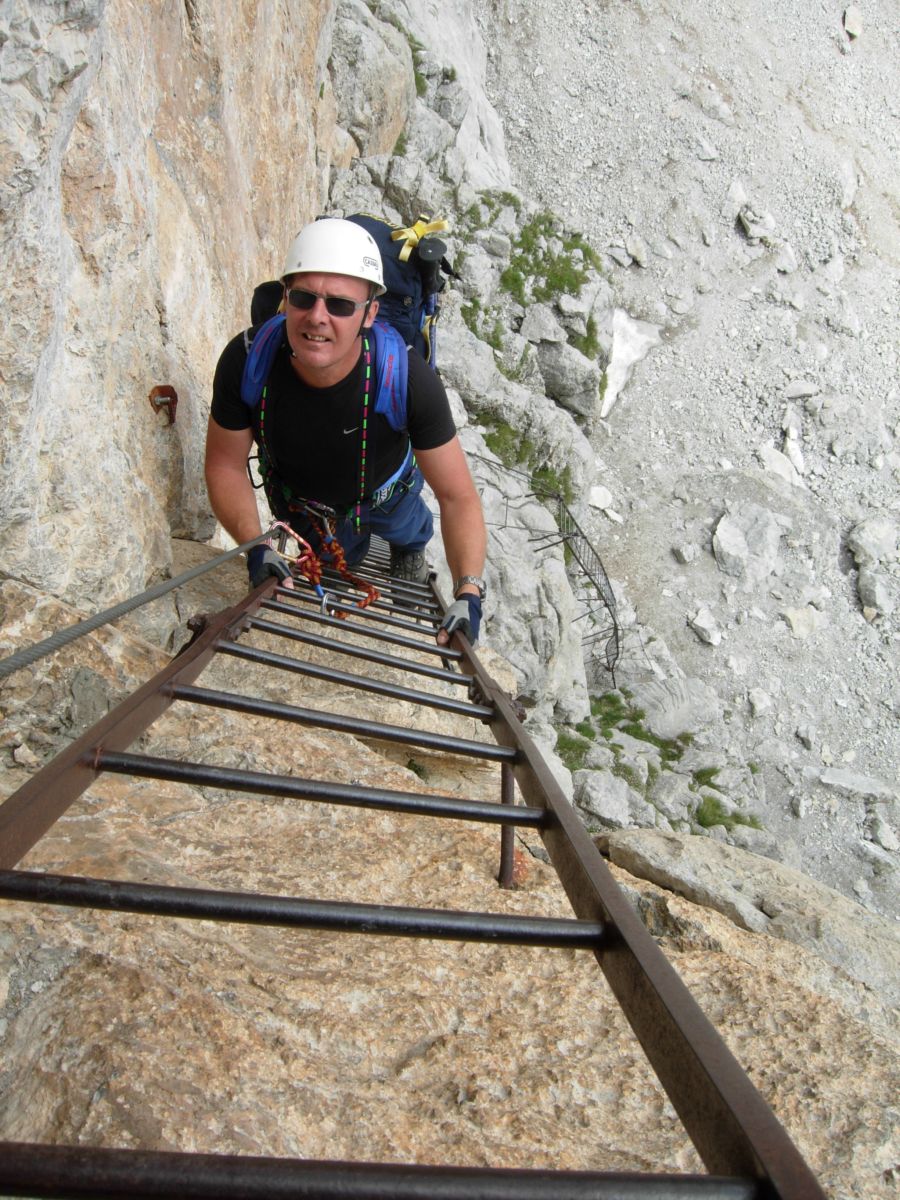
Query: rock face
[
  {"x": 768, "y": 897},
  {"x": 144, "y": 194}
]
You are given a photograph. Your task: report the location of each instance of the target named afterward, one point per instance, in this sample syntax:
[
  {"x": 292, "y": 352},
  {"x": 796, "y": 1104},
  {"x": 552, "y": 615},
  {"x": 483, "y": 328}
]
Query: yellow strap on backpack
[{"x": 414, "y": 234}]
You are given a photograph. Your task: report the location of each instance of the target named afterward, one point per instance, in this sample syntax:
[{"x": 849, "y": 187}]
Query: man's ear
[{"x": 371, "y": 314}]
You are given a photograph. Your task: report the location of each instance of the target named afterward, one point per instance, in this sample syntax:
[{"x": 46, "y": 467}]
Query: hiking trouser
[{"x": 402, "y": 520}]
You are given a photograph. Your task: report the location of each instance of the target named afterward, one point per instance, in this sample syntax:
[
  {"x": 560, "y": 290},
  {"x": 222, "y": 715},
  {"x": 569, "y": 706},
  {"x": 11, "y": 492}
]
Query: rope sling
[{"x": 310, "y": 565}]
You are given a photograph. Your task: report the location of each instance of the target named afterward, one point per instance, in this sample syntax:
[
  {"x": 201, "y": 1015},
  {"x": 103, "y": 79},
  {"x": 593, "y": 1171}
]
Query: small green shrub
[
  {"x": 472, "y": 217},
  {"x": 705, "y": 777},
  {"x": 588, "y": 343},
  {"x": 609, "y": 709},
  {"x": 561, "y": 278},
  {"x": 546, "y": 481},
  {"x": 509, "y": 200},
  {"x": 576, "y": 242},
  {"x": 572, "y": 749},
  {"x": 512, "y": 281},
  {"x": 507, "y": 443},
  {"x": 711, "y": 811},
  {"x": 586, "y": 729}
]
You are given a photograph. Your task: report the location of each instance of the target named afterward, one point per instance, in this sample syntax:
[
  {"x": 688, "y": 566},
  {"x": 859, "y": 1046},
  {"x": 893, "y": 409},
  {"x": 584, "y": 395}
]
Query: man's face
[{"x": 326, "y": 347}]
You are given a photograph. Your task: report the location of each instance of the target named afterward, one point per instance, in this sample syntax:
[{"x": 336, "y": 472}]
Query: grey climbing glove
[
  {"x": 263, "y": 561},
  {"x": 464, "y": 615}
]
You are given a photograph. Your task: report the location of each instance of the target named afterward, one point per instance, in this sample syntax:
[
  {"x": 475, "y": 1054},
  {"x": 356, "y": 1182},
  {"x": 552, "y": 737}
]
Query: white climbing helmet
[{"x": 333, "y": 246}]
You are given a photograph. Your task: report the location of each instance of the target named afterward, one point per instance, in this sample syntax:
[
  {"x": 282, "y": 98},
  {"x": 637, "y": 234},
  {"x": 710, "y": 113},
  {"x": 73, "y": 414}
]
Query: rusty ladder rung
[
  {"x": 295, "y": 912},
  {"x": 358, "y": 630},
  {"x": 346, "y": 679},
  {"x": 148, "y": 1175},
  {"x": 374, "y": 656},
  {"x": 262, "y": 783},
  {"x": 356, "y": 726}
]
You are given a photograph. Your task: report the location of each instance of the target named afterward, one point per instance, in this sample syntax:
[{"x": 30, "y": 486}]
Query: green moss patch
[{"x": 711, "y": 811}]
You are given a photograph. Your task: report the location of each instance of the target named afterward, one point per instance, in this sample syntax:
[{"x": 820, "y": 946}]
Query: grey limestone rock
[
  {"x": 676, "y": 705},
  {"x": 850, "y": 783},
  {"x": 540, "y": 325},
  {"x": 607, "y": 799},
  {"x": 762, "y": 895},
  {"x": 570, "y": 378},
  {"x": 705, "y": 626},
  {"x": 746, "y": 542},
  {"x": 373, "y": 80},
  {"x": 671, "y": 794},
  {"x": 875, "y": 540}
]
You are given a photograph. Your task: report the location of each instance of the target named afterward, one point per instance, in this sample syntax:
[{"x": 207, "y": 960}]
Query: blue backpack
[{"x": 412, "y": 259}]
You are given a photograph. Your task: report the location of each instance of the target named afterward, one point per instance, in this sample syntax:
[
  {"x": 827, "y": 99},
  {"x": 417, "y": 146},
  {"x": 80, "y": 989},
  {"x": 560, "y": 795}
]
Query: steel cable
[{"x": 31, "y": 654}]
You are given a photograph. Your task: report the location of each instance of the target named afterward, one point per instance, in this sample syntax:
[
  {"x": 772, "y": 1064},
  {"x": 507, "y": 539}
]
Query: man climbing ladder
[{"x": 312, "y": 388}]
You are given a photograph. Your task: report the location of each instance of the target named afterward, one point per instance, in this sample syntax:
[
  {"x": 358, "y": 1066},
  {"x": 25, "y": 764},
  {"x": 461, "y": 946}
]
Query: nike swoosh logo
[{"x": 353, "y": 430}]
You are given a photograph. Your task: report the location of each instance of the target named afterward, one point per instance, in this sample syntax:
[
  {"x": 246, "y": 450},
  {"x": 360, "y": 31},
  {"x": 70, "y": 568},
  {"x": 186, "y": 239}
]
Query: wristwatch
[{"x": 475, "y": 580}]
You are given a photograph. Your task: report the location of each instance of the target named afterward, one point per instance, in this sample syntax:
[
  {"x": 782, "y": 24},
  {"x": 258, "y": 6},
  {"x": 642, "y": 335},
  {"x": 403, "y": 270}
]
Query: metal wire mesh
[{"x": 601, "y": 640}]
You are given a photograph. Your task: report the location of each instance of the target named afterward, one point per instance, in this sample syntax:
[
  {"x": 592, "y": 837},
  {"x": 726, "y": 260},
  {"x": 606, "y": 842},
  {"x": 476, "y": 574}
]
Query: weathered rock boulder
[
  {"x": 768, "y": 897},
  {"x": 372, "y": 76}
]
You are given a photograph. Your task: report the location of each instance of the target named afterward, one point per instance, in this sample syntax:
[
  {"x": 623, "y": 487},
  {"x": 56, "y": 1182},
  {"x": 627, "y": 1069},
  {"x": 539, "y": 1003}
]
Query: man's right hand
[{"x": 263, "y": 561}]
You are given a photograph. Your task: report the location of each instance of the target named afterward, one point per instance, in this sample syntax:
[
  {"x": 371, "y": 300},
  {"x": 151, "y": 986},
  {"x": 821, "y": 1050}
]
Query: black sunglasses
[{"x": 335, "y": 306}]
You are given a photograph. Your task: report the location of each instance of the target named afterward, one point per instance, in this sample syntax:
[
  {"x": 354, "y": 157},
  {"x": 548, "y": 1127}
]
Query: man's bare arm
[
  {"x": 462, "y": 521},
  {"x": 230, "y": 491}
]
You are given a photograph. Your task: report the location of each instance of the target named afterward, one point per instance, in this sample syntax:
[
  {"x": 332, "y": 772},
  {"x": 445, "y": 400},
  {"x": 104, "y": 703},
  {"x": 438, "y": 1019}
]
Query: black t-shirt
[{"x": 314, "y": 435}]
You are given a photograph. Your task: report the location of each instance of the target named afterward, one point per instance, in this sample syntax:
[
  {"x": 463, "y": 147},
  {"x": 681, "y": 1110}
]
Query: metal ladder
[{"x": 743, "y": 1147}]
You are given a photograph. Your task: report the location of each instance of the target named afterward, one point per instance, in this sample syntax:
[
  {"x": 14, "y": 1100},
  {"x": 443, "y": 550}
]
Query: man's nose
[{"x": 318, "y": 310}]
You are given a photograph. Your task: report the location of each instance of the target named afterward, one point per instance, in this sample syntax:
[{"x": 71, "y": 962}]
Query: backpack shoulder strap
[
  {"x": 261, "y": 351},
  {"x": 392, "y": 374}
]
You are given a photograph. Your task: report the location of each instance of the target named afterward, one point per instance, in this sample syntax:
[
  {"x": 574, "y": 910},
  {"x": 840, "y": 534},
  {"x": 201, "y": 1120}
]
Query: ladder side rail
[{"x": 732, "y": 1127}]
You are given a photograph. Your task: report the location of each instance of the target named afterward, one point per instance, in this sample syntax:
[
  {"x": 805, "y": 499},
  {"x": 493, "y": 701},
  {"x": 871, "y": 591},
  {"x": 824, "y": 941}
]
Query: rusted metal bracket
[{"x": 164, "y": 396}]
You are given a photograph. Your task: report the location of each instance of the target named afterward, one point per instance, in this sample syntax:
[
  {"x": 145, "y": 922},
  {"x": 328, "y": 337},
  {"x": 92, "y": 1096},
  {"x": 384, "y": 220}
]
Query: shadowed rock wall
[{"x": 145, "y": 190}]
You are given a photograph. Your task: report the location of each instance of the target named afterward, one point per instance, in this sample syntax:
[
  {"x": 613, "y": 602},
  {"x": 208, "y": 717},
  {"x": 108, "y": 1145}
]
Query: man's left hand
[{"x": 463, "y": 615}]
